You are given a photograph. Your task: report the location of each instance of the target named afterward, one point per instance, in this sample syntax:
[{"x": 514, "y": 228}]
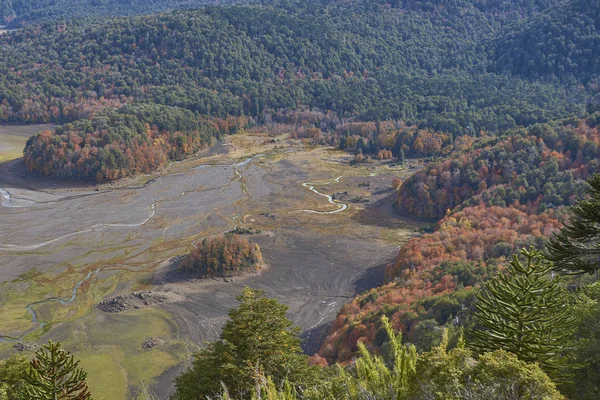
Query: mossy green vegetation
[{"x": 110, "y": 346}]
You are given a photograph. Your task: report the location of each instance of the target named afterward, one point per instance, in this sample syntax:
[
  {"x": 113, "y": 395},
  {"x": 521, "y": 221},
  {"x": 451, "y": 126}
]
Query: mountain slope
[
  {"x": 562, "y": 43},
  {"x": 364, "y": 61},
  {"x": 26, "y": 11}
]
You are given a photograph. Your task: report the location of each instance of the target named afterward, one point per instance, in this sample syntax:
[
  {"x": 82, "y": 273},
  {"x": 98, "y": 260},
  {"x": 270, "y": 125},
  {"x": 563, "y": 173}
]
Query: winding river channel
[
  {"x": 311, "y": 187},
  {"x": 7, "y": 201},
  {"x": 34, "y": 317}
]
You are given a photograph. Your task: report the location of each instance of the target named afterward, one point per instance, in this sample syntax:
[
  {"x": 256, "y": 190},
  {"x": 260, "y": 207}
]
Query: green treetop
[
  {"x": 576, "y": 249},
  {"x": 258, "y": 339},
  {"x": 54, "y": 375},
  {"x": 526, "y": 312}
]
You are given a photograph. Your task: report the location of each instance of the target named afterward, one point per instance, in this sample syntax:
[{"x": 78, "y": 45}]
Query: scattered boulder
[
  {"x": 268, "y": 215},
  {"x": 25, "y": 346},
  {"x": 134, "y": 300},
  {"x": 152, "y": 342}
]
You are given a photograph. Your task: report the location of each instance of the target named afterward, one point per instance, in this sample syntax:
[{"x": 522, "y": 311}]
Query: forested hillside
[
  {"x": 493, "y": 200},
  {"x": 365, "y": 61},
  {"x": 454, "y": 68},
  {"x": 23, "y": 11},
  {"x": 532, "y": 170},
  {"x": 28, "y": 11},
  {"x": 562, "y": 44}
]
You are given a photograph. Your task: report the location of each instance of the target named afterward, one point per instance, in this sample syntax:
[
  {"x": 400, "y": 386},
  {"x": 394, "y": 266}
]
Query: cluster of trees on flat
[
  {"x": 117, "y": 143},
  {"x": 223, "y": 256}
]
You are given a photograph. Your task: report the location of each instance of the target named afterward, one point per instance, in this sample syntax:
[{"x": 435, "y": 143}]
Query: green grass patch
[
  {"x": 107, "y": 378},
  {"x": 111, "y": 344},
  {"x": 11, "y": 147}
]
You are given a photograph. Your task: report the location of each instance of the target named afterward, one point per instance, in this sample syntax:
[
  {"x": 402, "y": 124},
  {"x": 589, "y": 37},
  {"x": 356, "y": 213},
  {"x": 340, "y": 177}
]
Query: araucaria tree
[
  {"x": 527, "y": 312},
  {"x": 55, "y": 375},
  {"x": 576, "y": 249}
]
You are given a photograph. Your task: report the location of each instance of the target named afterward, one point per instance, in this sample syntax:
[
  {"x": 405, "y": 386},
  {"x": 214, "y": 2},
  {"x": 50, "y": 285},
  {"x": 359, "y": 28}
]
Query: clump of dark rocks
[
  {"x": 134, "y": 300},
  {"x": 340, "y": 196},
  {"x": 152, "y": 342},
  {"x": 345, "y": 196},
  {"x": 25, "y": 346},
  {"x": 359, "y": 199},
  {"x": 268, "y": 214}
]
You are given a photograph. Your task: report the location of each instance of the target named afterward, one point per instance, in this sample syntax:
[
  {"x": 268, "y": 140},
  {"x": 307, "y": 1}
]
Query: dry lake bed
[{"x": 65, "y": 248}]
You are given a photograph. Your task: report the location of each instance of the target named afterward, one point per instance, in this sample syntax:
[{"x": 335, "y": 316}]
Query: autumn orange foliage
[
  {"x": 228, "y": 255},
  {"x": 466, "y": 248},
  {"x": 535, "y": 167}
]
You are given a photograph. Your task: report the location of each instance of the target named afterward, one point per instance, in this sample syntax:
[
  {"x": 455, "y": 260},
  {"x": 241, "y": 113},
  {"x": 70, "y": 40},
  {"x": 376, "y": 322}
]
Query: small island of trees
[{"x": 223, "y": 256}]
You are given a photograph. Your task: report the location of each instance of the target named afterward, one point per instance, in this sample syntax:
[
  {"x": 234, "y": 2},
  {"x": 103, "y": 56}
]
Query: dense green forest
[
  {"x": 460, "y": 68},
  {"x": 428, "y": 65},
  {"x": 23, "y": 12},
  {"x": 561, "y": 43}
]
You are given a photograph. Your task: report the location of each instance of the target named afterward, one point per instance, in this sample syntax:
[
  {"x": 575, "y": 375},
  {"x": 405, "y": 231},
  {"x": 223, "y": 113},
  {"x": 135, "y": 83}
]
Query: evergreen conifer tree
[
  {"x": 576, "y": 249},
  {"x": 257, "y": 340},
  {"x": 526, "y": 312},
  {"x": 55, "y": 375}
]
